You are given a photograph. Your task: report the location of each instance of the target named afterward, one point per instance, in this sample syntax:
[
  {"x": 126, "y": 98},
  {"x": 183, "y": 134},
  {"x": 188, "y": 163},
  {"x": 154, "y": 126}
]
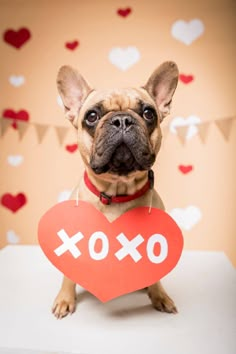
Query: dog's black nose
[{"x": 122, "y": 121}]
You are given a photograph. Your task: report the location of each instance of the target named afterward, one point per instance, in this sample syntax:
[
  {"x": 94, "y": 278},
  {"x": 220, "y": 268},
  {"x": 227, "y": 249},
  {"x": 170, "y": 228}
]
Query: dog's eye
[
  {"x": 92, "y": 117},
  {"x": 148, "y": 114}
]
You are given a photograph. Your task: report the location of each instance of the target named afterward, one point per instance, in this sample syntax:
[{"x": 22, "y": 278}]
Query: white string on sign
[
  {"x": 150, "y": 205},
  {"x": 77, "y": 197}
]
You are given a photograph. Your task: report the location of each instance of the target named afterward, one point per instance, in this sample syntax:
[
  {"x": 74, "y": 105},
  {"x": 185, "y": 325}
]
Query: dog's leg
[
  {"x": 65, "y": 300},
  {"x": 160, "y": 300}
]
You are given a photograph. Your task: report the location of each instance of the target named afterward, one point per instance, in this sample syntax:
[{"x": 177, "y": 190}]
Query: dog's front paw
[
  {"x": 163, "y": 303},
  {"x": 64, "y": 304}
]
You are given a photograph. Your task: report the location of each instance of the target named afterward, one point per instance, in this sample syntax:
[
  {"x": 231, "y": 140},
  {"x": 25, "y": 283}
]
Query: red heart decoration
[
  {"x": 124, "y": 12},
  {"x": 110, "y": 259},
  {"x": 20, "y": 115},
  {"x": 186, "y": 79},
  {"x": 72, "y": 148},
  {"x": 185, "y": 169},
  {"x": 72, "y": 45},
  {"x": 12, "y": 202},
  {"x": 17, "y": 38}
]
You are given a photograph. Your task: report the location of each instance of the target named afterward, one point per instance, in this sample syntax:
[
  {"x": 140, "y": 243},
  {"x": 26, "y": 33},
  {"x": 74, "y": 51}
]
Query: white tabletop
[{"x": 203, "y": 286}]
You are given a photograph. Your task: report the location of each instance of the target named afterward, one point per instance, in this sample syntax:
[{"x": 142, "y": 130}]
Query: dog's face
[{"x": 118, "y": 130}]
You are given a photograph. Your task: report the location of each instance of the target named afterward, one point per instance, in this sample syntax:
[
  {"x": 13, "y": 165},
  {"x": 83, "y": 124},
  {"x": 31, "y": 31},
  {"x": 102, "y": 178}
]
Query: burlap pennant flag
[
  {"x": 182, "y": 132},
  {"x": 225, "y": 125},
  {"x": 41, "y": 130},
  {"x": 203, "y": 129},
  {"x": 22, "y": 128},
  {"x": 4, "y": 125},
  {"x": 61, "y": 133}
]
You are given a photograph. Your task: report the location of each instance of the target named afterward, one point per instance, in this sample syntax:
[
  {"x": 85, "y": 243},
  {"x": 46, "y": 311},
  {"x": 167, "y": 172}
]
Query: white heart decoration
[
  {"x": 15, "y": 160},
  {"x": 17, "y": 80},
  {"x": 187, "y": 32},
  {"x": 59, "y": 101},
  {"x": 191, "y": 121},
  {"x": 64, "y": 195},
  {"x": 12, "y": 237},
  {"x": 124, "y": 58},
  {"x": 186, "y": 218}
]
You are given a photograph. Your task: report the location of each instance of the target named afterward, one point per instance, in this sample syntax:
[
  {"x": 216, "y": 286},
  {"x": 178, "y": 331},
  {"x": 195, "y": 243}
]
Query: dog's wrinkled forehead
[{"x": 118, "y": 100}]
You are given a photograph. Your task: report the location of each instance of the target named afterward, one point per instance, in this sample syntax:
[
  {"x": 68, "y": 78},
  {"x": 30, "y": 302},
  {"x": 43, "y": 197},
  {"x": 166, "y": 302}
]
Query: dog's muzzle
[{"x": 122, "y": 147}]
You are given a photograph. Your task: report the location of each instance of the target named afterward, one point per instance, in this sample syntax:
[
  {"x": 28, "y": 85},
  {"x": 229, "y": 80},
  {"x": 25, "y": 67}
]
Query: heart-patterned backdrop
[{"x": 119, "y": 43}]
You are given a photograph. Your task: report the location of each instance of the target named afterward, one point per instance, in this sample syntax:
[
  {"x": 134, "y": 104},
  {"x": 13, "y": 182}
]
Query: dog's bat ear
[
  {"x": 162, "y": 84},
  {"x": 73, "y": 90}
]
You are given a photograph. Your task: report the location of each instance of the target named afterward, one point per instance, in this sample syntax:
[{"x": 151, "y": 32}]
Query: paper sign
[{"x": 110, "y": 259}]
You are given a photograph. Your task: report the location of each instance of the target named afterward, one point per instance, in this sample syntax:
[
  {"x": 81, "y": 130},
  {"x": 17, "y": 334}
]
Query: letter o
[
  {"x": 98, "y": 256},
  {"x": 157, "y": 238}
]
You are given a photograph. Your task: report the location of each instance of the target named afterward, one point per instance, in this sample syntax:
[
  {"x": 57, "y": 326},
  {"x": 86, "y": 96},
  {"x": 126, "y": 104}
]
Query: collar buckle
[{"x": 105, "y": 199}]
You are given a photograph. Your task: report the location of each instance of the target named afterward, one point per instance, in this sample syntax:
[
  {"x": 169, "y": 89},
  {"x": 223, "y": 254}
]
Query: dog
[{"x": 119, "y": 137}]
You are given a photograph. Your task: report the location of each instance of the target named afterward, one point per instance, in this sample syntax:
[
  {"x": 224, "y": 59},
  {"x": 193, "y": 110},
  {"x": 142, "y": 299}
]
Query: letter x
[
  {"x": 69, "y": 243},
  {"x": 129, "y": 247}
]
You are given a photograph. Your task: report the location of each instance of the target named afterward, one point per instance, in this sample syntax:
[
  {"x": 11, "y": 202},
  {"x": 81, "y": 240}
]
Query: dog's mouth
[{"x": 122, "y": 161}]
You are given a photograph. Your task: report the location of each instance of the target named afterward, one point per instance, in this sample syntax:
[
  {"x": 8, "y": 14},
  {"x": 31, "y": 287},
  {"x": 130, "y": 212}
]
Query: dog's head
[{"x": 118, "y": 130}]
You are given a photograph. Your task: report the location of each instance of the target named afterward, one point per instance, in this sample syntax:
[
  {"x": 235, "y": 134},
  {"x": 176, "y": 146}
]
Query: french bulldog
[{"x": 119, "y": 137}]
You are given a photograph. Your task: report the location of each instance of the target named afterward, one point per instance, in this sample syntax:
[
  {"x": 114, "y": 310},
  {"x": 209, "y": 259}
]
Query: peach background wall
[{"x": 43, "y": 170}]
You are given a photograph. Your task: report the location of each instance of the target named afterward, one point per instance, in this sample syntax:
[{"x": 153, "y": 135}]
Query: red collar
[{"x": 107, "y": 200}]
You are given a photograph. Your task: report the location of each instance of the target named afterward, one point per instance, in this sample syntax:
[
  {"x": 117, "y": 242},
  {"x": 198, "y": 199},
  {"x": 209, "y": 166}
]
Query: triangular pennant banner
[
  {"x": 61, "y": 133},
  {"x": 182, "y": 132},
  {"x": 22, "y": 128},
  {"x": 203, "y": 129},
  {"x": 224, "y": 125},
  {"x": 5, "y": 124},
  {"x": 41, "y": 130}
]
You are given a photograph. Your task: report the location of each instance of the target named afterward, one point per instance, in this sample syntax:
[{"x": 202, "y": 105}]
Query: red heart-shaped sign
[
  {"x": 185, "y": 168},
  {"x": 124, "y": 12},
  {"x": 17, "y": 38},
  {"x": 20, "y": 115},
  {"x": 186, "y": 79},
  {"x": 72, "y": 148},
  {"x": 72, "y": 45},
  {"x": 110, "y": 259},
  {"x": 12, "y": 202}
]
